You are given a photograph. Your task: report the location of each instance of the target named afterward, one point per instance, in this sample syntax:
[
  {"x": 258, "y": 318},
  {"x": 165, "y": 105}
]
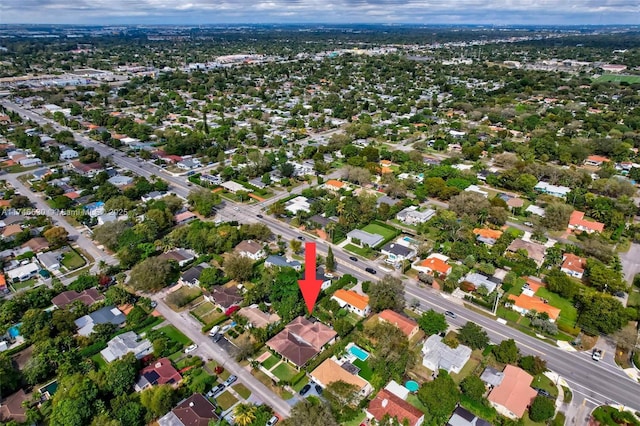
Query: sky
[{"x": 495, "y": 12}]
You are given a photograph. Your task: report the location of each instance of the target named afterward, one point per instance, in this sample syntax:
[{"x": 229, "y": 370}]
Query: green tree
[
  {"x": 56, "y": 235},
  {"x": 158, "y": 400},
  {"x": 310, "y": 412},
  {"x": 238, "y": 267},
  {"x": 152, "y": 274},
  {"x": 600, "y": 313},
  {"x": 296, "y": 245},
  {"x": 34, "y": 322},
  {"x": 431, "y": 322},
  {"x": 10, "y": 375},
  {"x": 74, "y": 402},
  {"x": 542, "y": 409},
  {"x": 342, "y": 397},
  {"x": 440, "y": 397},
  {"x": 330, "y": 262},
  {"x": 388, "y": 293},
  {"x": 474, "y": 336},
  {"x": 245, "y": 414},
  {"x": 556, "y": 216},
  {"x": 473, "y": 387},
  {"x": 203, "y": 201},
  {"x": 506, "y": 352},
  {"x": 533, "y": 365},
  {"x": 121, "y": 374}
]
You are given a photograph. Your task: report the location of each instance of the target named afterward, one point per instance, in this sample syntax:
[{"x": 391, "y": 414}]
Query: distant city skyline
[{"x": 194, "y": 12}]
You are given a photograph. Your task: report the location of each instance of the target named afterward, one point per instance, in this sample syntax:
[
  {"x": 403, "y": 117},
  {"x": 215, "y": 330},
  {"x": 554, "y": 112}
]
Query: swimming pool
[
  {"x": 410, "y": 240},
  {"x": 358, "y": 353},
  {"x": 412, "y": 386},
  {"x": 14, "y": 331}
]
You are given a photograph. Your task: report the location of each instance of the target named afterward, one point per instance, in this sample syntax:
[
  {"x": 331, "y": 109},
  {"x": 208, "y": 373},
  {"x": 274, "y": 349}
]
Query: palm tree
[{"x": 245, "y": 414}]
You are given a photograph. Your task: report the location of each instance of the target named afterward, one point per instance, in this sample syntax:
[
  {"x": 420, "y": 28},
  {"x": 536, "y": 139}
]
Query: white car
[
  {"x": 214, "y": 330},
  {"x": 190, "y": 349}
]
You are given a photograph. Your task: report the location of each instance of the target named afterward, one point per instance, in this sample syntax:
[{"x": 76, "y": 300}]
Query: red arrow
[{"x": 310, "y": 286}]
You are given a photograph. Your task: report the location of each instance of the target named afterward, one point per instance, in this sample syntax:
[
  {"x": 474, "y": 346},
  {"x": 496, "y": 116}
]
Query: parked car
[
  {"x": 305, "y": 389},
  {"x": 214, "y": 330},
  {"x": 300, "y": 237},
  {"x": 154, "y": 304},
  {"x": 542, "y": 392},
  {"x": 371, "y": 271},
  {"x": 260, "y": 217},
  {"x": 272, "y": 421},
  {"x": 216, "y": 390},
  {"x": 190, "y": 349},
  {"x": 230, "y": 380},
  {"x": 318, "y": 389},
  {"x": 216, "y": 338},
  {"x": 450, "y": 314},
  {"x": 353, "y": 258},
  {"x": 596, "y": 355}
]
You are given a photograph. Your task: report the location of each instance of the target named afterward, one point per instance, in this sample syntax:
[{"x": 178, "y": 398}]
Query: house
[
  {"x": 477, "y": 190},
  {"x": 30, "y": 162},
  {"x": 159, "y": 373},
  {"x": 3, "y": 284},
  {"x": 50, "y": 260},
  {"x": 87, "y": 297},
  {"x": 387, "y": 200},
  {"x": 10, "y": 232},
  {"x": 492, "y": 377},
  {"x": 535, "y": 251},
  {"x": 334, "y": 185},
  {"x": 436, "y": 264},
  {"x": 487, "y": 236},
  {"x": 363, "y": 238},
  {"x": 437, "y": 355},
  {"x": 538, "y": 211},
  {"x": 462, "y": 417},
  {"x": 193, "y": 411},
  {"x": 234, "y": 187},
  {"x": 322, "y": 276},
  {"x": 225, "y": 297},
  {"x": 397, "y": 253},
  {"x": 411, "y": 215},
  {"x": 554, "y": 190},
  {"x": 301, "y": 340},
  {"x": 124, "y": 343},
  {"x": 408, "y": 326},
  {"x": 479, "y": 280},
  {"x": 69, "y": 154},
  {"x": 108, "y": 314},
  {"x": 12, "y": 219},
  {"x": 89, "y": 170},
  {"x": 191, "y": 277},
  {"x": 514, "y": 394},
  {"x": 153, "y": 195},
  {"x": 595, "y": 160},
  {"x": 184, "y": 217},
  {"x": 330, "y": 372},
  {"x": 188, "y": 164},
  {"x": 108, "y": 217},
  {"x": 181, "y": 256},
  {"x": 256, "y": 318},
  {"x": 94, "y": 209},
  {"x": 12, "y": 408},
  {"x": 573, "y": 265},
  {"x": 23, "y": 272},
  {"x": 36, "y": 244},
  {"x": 352, "y": 301},
  {"x": 275, "y": 261},
  {"x": 41, "y": 173},
  {"x": 524, "y": 304},
  {"x": 387, "y": 405},
  {"x": 577, "y": 222},
  {"x": 250, "y": 249},
  {"x": 298, "y": 204},
  {"x": 397, "y": 389},
  {"x": 120, "y": 180}
]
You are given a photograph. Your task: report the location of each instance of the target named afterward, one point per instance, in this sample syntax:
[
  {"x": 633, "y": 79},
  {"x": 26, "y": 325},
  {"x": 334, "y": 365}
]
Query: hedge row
[
  {"x": 212, "y": 324},
  {"x": 93, "y": 349}
]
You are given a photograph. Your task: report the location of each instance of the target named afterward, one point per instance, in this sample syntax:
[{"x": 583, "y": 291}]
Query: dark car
[
  {"x": 353, "y": 258},
  {"x": 318, "y": 389},
  {"x": 371, "y": 271},
  {"x": 300, "y": 237},
  {"x": 450, "y": 314},
  {"x": 260, "y": 216},
  {"x": 542, "y": 392},
  {"x": 305, "y": 389},
  {"x": 216, "y": 338}
]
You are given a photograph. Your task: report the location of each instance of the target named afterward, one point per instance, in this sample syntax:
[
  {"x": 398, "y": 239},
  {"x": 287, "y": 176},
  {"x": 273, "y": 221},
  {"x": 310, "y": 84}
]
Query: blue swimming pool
[
  {"x": 358, "y": 353},
  {"x": 412, "y": 386},
  {"x": 410, "y": 240},
  {"x": 14, "y": 331}
]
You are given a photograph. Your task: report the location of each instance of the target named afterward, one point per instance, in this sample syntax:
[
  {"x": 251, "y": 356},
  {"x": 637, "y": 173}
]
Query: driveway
[{"x": 631, "y": 262}]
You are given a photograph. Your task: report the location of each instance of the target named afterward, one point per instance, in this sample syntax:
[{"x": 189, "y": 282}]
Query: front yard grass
[
  {"x": 23, "y": 284},
  {"x": 226, "y": 400},
  {"x": 298, "y": 386},
  {"x": 242, "y": 390},
  {"x": 176, "y": 335},
  {"x": 203, "y": 309},
  {"x": 270, "y": 362},
  {"x": 508, "y": 314},
  {"x": 366, "y": 253},
  {"x": 543, "y": 382},
  {"x": 284, "y": 372},
  {"x": 72, "y": 260},
  {"x": 100, "y": 362},
  {"x": 568, "y": 313},
  {"x": 469, "y": 367},
  {"x": 356, "y": 421}
]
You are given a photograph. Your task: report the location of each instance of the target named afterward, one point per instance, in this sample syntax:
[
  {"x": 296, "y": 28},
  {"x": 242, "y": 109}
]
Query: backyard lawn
[
  {"x": 226, "y": 400},
  {"x": 100, "y": 362},
  {"x": 23, "y": 284},
  {"x": 175, "y": 335},
  {"x": 72, "y": 260},
  {"x": 568, "y": 313},
  {"x": 374, "y": 228},
  {"x": 284, "y": 372},
  {"x": 270, "y": 362},
  {"x": 242, "y": 390},
  {"x": 365, "y": 370}
]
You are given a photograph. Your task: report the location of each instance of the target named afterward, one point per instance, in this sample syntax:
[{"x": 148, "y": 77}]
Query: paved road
[
  {"x": 85, "y": 243},
  {"x": 631, "y": 262},
  {"x": 191, "y": 328}
]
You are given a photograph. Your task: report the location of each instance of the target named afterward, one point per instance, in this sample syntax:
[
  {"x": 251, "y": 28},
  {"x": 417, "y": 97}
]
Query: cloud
[{"x": 330, "y": 11}]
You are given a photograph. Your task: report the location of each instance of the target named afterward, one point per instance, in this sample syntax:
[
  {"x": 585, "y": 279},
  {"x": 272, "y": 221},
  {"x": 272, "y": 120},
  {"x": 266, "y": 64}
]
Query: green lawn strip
[
  {"x": 359, "y": 250},
  {"x": 508, "y": 314},
  {"x": 23, "y": 284},
  {"x": 374, "y": 228},
  {"x": 225, "y": 400},
  {"x": 242, "y": 390},
  {"x": 72, "y": 260},
  {"x": 543, "y": 382},
  {"x": 301, "y": 383},
  {"x": 146, "y": 328},
  {"x": 211, "y": 317},
  {"x": 356, "y": 421},
  {"x": 176, "y": 355},
  {"x": 100, "y": 362},
  {"x": 568, "y": 313},
  {"x": 174, "y": 334},
  {"x": 284, "y": 372},
  {"x": 413, "y": 400},
  {"x": 365, "y": 371},
  {"x": 203, "y": 309},
  {"x": 634, "y": 298},
  {"x": 270, "y": 362}
]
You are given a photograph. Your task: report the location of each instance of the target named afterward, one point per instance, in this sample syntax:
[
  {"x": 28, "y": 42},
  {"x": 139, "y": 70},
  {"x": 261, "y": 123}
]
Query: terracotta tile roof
[
  {"x": 329, "y": 372},
  {"x": 573, "y": 263},
  {"x": 301, "y": 340},
  {"x": 87, "y": 297},
  {"x": 3, "y": 282},
  {"x": 534, "y": 303},
  {"x": 334, "y": 183},
  {"x": 533, "y": 284},
  {"x": 161, "y": 372},
  {"x": 386, "y": 403},
  {"x": 352, "y": 298},
  {"x": 195, "y": 411},
  {"x": 406, "y": 325},
  {"x": 5, "y": 203},
  {"x": 488, "y": 233},
  {"x": 181, "y": 217},
  {"x": 597, "y": 159},
  {"x": 436, "y": 264},
  {"x": 37, "y": 244},
  {"x": 514, "y": 392},
  {"x": 11, "y": 230},
  {"x": 577, "y": 220}
]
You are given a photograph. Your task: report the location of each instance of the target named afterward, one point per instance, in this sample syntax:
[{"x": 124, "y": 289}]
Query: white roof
[{"x": 397, "y": 389}]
